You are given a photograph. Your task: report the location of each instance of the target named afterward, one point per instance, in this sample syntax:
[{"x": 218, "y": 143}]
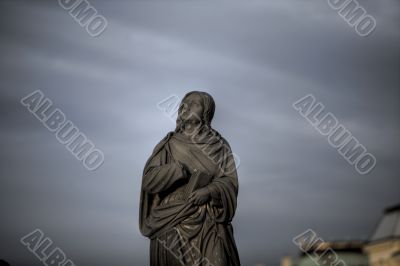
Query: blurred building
[
  {"x": 350, "y": 253},
  {"x": 382, "y": 249},
  {"x": 384, "y": 246}
]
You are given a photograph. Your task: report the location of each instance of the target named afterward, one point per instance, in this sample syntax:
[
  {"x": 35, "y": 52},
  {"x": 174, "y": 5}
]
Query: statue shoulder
[
  {"x": 225, "y": 144},
  {"x": 162, "y": 142}
]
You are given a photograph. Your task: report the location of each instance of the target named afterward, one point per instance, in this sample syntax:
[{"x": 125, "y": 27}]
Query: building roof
[
  {"x": 354, "y": 246},
  {"x": 389, "y": 225}
]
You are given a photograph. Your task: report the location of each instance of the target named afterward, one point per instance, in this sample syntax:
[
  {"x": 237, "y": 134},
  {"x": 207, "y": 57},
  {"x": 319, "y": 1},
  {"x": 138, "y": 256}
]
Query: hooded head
[{"x": 197, "y": 107}]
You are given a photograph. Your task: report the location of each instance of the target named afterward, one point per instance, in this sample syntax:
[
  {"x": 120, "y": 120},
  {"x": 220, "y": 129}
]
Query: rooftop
[
  {"x": 389, "y": 225},
  {"x": 354, "y": 246}
]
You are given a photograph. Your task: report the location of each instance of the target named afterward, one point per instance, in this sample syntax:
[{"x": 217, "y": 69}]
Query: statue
[{"x": 189, "y": 192}]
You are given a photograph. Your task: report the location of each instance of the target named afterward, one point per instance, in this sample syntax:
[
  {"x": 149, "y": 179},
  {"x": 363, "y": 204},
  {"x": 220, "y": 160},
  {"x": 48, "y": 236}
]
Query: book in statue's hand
[{"x": 197, "y": 180}]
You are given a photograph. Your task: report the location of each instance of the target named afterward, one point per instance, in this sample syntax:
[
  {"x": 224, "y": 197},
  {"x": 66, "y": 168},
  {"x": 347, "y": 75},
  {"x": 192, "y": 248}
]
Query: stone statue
[{"x": 189, "y": 192}]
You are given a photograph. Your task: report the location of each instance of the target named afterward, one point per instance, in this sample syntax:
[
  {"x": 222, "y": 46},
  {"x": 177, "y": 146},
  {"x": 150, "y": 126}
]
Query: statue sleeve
[
  {"x": 158, "y": 176},
  {"x": 224, "y": 188}
]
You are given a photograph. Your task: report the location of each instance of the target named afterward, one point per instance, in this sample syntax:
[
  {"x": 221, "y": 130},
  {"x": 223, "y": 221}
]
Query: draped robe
[{"x": 180, "y": 232}]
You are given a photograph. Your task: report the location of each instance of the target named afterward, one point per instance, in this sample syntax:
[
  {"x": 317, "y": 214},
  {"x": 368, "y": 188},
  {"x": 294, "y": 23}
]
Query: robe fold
[{"x": 182, "y": 233}]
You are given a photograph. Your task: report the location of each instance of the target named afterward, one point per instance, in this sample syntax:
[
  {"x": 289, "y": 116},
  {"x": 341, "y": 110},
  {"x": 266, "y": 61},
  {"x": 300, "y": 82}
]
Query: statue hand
[{"x": 200, "y": 196}]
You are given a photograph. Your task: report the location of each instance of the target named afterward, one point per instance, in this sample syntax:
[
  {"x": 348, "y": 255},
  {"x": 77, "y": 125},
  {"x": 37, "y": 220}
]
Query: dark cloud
[{"x": 255, "y": 58}]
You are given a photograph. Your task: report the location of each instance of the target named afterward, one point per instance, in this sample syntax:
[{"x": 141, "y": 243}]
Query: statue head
[{"x": 196, "y": 110}]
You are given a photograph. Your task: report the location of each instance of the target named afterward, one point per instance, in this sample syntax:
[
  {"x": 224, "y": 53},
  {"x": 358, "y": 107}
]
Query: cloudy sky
[{"x": 255, "y": 58}]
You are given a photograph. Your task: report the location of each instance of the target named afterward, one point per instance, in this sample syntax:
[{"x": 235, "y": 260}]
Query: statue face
[{"x": 192, "y": 108}]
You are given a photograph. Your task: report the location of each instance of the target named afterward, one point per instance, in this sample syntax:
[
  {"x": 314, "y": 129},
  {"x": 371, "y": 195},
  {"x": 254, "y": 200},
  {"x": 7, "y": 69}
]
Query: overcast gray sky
[{"x": 255, "y": 58}]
